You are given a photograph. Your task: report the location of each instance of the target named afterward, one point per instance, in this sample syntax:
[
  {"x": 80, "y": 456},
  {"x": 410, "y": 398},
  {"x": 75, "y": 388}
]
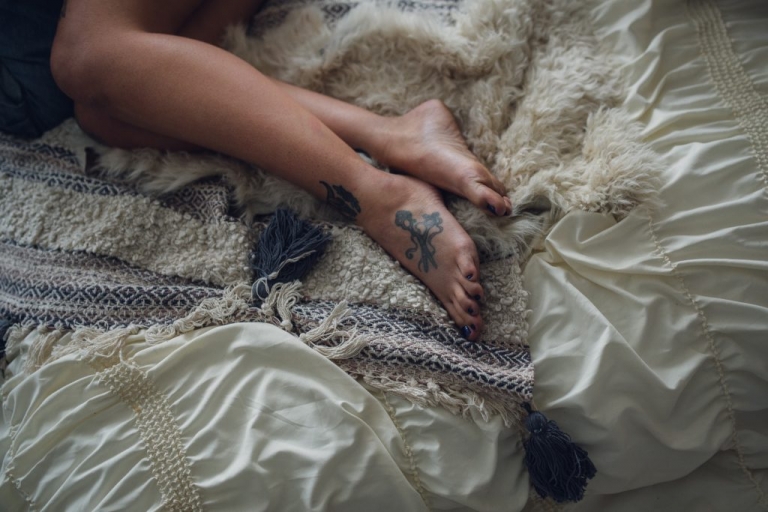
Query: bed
[{"x": 646, "y": 323}]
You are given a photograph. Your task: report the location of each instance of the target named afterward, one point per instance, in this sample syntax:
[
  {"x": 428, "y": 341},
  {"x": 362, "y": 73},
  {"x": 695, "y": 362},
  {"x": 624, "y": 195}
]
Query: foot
[
  {"x": 427, "y": 144},
  {"x": 408, "y": 219}
]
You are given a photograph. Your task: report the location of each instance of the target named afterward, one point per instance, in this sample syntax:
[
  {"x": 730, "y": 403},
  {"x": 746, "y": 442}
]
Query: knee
[
  {"x": 78, "y": 66},
  {"x": 71, "y": 63},
  {"x": 91, "y": 122}
]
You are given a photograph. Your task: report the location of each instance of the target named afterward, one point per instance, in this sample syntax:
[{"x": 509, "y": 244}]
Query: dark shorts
[{"x": 30, "y": 101}]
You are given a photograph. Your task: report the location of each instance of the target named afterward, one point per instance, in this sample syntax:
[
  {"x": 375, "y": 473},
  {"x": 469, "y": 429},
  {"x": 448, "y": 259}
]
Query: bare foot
[
  {"x": 408, "y": 219},
  {"x": 427, "y": 144}
]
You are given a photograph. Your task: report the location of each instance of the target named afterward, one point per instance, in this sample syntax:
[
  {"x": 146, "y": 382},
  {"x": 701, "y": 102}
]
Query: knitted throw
[{"x": 78, "y": 252}]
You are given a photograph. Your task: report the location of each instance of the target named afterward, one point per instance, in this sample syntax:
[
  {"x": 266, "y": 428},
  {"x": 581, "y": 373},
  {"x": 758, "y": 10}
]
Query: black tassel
[
  {"x": 287, "y": 250},
  {"x": 558, "y": 468}
]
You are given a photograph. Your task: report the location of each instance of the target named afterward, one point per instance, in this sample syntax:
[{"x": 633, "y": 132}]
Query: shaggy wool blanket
[
  {"x": 534, "y": 93},
  {"x": 162, "y": 241}
]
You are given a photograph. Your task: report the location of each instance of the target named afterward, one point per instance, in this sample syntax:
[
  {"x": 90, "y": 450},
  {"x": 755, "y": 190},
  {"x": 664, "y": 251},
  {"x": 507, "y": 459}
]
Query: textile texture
[
  {"x": 163, "y": 241},
  {"x": 81, "y": 253}
]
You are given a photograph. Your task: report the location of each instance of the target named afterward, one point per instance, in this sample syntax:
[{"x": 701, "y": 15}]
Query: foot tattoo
[
  {"x": 421, "y": 235},
  {"x": 343, "y": 200}
]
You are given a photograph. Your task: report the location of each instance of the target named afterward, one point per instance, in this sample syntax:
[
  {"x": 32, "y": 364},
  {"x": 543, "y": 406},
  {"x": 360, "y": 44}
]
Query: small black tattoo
[
  {"x": 422, "y": 233},
  {"x": 343, "y": 200}
]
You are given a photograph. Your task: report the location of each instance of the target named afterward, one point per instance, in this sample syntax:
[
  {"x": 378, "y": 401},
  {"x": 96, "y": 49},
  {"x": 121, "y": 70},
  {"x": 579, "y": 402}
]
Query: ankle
[
  {"x": 390, "y": 141},
  {"x": 402, "y": 137},
  {"x": 382, "y": 194}
]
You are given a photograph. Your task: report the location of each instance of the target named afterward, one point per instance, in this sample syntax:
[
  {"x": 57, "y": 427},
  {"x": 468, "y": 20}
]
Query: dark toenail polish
[
  {"x": 471, "y": 311},
  {"x": 473, "y": 327},
  {"x": 477, "y": 297},
  {"x": 492, "y": 209},
  {"x": 470, "y": 276},
  {"x": 465, "y": 332}
]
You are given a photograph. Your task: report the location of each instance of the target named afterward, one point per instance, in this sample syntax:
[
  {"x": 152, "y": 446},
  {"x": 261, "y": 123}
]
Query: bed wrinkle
[{"x": 709, "y": 229}]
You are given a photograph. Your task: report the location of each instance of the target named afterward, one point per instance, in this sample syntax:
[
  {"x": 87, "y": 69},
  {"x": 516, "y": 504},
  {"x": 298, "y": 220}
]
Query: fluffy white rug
[{"x": 534, "y": 93}]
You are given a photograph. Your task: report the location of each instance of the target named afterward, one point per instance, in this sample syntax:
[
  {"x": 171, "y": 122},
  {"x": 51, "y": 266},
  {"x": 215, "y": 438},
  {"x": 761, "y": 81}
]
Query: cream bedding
[
  {"x": 262, "y": 422},
  {"x": 649, "y": 340},
  {"x": 650, "y": 336}
]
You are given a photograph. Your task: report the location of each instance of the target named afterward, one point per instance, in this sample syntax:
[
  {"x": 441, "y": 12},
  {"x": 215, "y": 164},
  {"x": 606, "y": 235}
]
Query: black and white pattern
[
  {"x": 274, "y": 12},
  {"x": 71, "y": 289},
  {"x": 430, "y": 346},
  {"x": 208, "y": 199},
  {"x": 68, "y": 290}
]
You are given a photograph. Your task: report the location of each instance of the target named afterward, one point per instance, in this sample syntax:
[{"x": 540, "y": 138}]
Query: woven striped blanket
[{"x": 78, "y": 252}]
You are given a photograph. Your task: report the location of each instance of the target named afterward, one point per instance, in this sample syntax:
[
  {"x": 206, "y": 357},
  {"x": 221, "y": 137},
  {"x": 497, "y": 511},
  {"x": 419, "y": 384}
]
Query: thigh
[
  {"x": 105, "y": 16},
  {"x": 199, "y": 19},
  {"x": 91, "y": 34},
  {"x": 113, "y": 132}
]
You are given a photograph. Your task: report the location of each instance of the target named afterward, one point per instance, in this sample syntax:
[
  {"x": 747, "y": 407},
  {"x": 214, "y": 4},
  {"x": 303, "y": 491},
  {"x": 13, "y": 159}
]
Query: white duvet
[
  {"x": 264, "y": 423},
  {"x": 648, "y": 335}
]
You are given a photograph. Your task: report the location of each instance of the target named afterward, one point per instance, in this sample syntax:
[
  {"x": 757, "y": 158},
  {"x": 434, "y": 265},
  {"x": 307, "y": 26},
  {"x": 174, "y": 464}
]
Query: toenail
[
  {"x": 492, "y": 209},
  {"x": 465, "y": 332},
  {"x": 470, "y": 276},
  {"x": 471, "y": 311},
  {"x": 477, "y": 297},
  {"x": 473, "y": 327}
]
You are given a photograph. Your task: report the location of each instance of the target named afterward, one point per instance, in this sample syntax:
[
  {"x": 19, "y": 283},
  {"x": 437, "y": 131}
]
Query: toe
[
  {"x": 497, "y": 185},
  {"x": 470, "y": 329},
  {"x": 473, "y": 333},
  {"x": 473, "y": 291},
  {"x": 486, "y": 198},
  {"x": 494, "y": 203},
  {"x": 470, "y": 326},
  {"x": 482, "y": 189},
  {"x": 471, "y": 286},
  {"x": 469, "y": 279},
  {"x": 469, "y": 332},
  {"x": 467, "y": 304},
  {"x": 465, "y": 323},
  {"x": 459, "y": 306},
  {"x": 467, "y": 266}
]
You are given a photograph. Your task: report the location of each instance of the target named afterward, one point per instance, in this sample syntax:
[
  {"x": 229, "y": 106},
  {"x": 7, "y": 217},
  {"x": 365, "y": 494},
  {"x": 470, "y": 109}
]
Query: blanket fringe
[
  {"x": 329, "y": 338},
  {"x": 281, "y": 299},
  {"x": 15, "y": 335},
  {"x": 96, "y": 345},
  {"x": 461, "y": 403},
  {"x": 215, "y": 311},
  {"x": 338, "y": 343},
  {"x": 489, "y": 407},
  {"x": 105, "y": 348},
  {"x": 40, "y": 351}
]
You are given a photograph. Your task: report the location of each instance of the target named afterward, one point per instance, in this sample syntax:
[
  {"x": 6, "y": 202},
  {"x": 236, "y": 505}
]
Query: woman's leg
[
  {"x": 205, "y": 23},
  {"x": 108, "y": 55},
  {"x": 425, "y": 143}
]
